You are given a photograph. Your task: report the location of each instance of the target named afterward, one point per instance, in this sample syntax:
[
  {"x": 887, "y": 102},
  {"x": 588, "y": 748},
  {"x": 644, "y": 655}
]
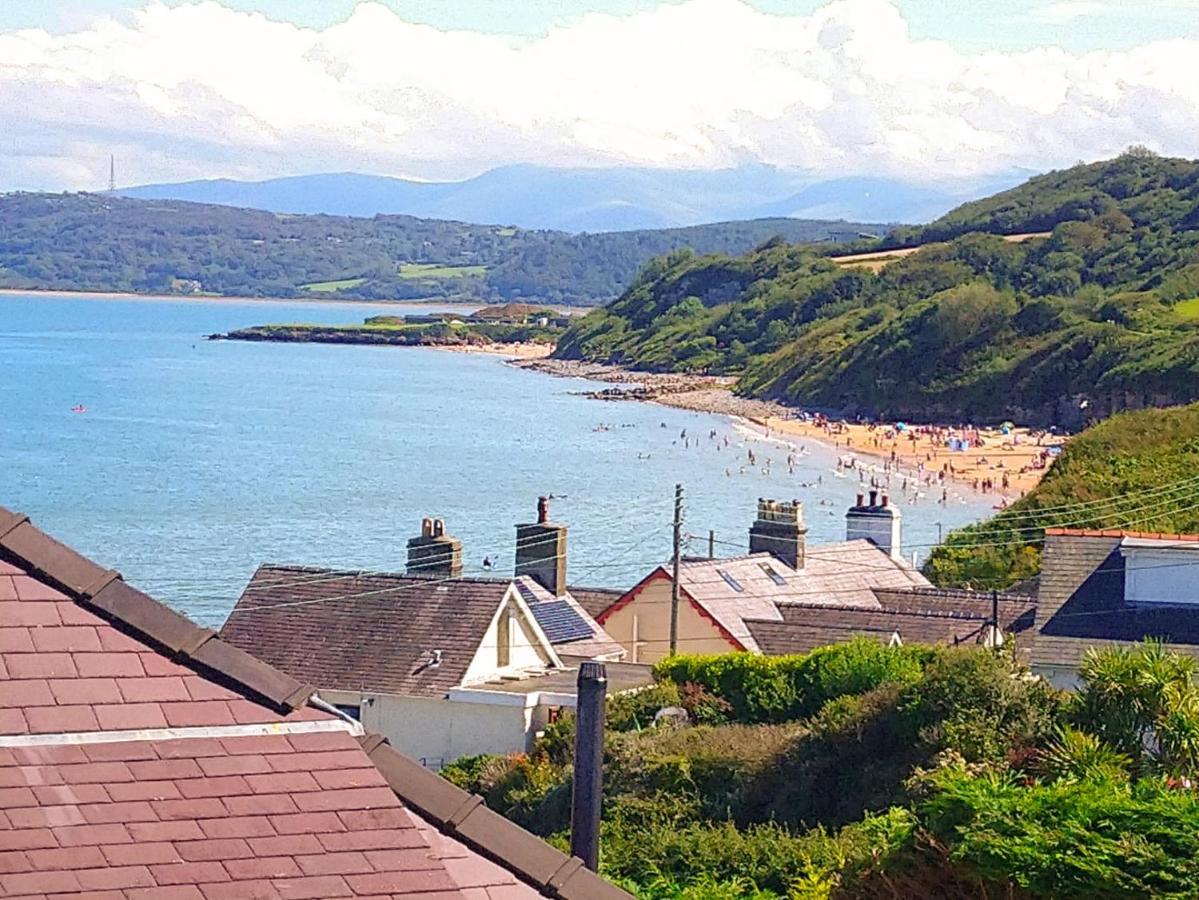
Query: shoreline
[
  {"x": 233, "y": 298},
  {"x": 466, "y": 305},
  {"x": 921, "y": 460}
]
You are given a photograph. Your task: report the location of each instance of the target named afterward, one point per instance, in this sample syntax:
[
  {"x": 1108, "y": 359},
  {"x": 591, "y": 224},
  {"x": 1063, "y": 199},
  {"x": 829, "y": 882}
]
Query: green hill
[
  {"x": 109, "y": 243},
  {"x": 1099, "y": 316},
  {"x": 1136, "y": 470}
]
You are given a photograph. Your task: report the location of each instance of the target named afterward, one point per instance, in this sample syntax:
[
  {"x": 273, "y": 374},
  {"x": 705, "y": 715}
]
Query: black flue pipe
[{"x": 587, "y": 790}]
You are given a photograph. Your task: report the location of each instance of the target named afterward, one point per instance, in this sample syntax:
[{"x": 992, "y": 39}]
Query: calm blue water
[{"x": 198, "y": 460}]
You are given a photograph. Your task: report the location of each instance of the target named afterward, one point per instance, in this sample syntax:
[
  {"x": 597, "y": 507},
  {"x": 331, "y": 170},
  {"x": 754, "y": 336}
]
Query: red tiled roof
[
  {"x": 130, "y": 772},
  {"x": 1110, "y": 533}
]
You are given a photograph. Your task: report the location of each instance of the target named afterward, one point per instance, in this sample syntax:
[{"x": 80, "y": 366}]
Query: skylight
[
  {"x": 732, "y": 582},
  {"x": 774, "y": 576}
]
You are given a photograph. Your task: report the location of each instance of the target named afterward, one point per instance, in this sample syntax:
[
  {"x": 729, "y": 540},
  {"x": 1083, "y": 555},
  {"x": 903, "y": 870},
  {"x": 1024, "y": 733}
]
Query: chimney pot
[
  {"x": 874, "y": 498},
  {"x": 861, "y": 499},
  {"x": 434, "y": 552},
  {"x": 543, "y": 510},
  {"x": 886, "y": 500}
]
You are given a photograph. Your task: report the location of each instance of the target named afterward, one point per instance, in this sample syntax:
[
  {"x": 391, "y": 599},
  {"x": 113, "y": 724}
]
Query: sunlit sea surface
[{"x": 197, "y": 460}]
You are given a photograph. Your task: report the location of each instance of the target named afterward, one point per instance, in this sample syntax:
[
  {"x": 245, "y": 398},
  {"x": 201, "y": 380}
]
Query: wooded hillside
[
  {"x": 1101, "y": 315},
  {"x": 107, "y": 243}
]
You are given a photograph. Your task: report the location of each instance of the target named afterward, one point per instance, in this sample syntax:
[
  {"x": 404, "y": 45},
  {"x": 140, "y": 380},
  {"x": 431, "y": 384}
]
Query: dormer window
[{"x": 1157, "y": 572}]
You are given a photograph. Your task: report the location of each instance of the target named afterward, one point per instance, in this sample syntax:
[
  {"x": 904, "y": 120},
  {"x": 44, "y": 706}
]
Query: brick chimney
[
  {"x": 877, "y": 521},
  {"x": 541, "y": 550},
  {"x": 780, "y": 530},
  {"x": 434, "y": 552}
]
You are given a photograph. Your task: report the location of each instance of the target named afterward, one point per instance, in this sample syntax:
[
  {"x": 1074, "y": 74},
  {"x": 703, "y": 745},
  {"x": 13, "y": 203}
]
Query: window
[
  {"x": 773, "y": 575},
  {"x": 732, "y": 582},
  {"x": 354, "y": 712}
]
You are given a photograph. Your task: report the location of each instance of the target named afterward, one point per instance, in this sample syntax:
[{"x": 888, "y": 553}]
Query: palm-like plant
[
  {"x": 1076, "y": 756},
  {"x": 1144, "y": 703}
]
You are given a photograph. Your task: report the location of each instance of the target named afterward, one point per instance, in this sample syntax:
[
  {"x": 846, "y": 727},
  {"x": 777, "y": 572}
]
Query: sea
[{"x": 185, "y": 463}]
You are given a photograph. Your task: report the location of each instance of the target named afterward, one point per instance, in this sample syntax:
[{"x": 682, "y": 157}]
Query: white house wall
[{"x": 525, "y": 648}]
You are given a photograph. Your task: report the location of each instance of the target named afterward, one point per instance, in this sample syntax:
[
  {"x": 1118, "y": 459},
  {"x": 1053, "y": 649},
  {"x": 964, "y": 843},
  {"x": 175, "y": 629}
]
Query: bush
[
  {"x": 783, "y": 688},
  {"x": 1064, "y": 840}
]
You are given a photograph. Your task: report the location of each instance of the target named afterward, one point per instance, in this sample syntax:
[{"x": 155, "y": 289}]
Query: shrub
[
  {"x": 782, "y": 688},
  {"x": 1069, "y": 840}
]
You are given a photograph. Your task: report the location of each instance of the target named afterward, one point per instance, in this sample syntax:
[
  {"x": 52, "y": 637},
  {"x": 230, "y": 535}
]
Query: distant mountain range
[{"x": 594, "y": 200}]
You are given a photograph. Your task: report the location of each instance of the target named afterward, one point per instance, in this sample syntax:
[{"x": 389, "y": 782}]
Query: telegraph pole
[
  {"x": 112, "y": 174},
  {"x": 674, "y": 581},
  {"x": 995, "y": 620}
]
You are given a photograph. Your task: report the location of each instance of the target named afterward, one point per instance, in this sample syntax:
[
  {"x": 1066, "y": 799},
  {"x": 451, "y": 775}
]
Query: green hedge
[
  {"x": 1069, "y": 840},
  {"x": 784, "y": 688}
]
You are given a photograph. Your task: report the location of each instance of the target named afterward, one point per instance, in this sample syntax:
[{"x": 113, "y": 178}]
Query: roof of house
[
  {"x": 588, "y": 639},
  {"x": 1081, "y": 602},
  {"x": 356, "y": 631},
  {"x": 595, "y": 600},
  {"x": 920, "y": 616},
  {"x": 755, "y": 586},
  {"x": 374, "y": 631},
  {"x": 143, "y": 756}
]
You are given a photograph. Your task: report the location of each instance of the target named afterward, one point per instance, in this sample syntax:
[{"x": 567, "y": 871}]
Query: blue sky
[
  {"x": 970, "y": 25},
  {"x": 926, "y": 90}
]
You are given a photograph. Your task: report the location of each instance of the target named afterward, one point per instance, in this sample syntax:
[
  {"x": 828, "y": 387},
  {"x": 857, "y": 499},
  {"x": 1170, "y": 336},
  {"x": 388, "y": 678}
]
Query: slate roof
[
  {"x": 595, "y": 600},
  {"x": 841, "y": 574},
  {"x": 599, "y": 644},
  {"x": 360, "y": 631},
  {"x": 375, "y": 631},
  {"x": 143, "y": 757},
  {"x": 920, "y": 616},
  {"x": 1081, "y": 601}
]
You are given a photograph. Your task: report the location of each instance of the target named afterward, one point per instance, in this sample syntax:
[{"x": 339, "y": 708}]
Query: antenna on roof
[{"x": 112, "y": 174}]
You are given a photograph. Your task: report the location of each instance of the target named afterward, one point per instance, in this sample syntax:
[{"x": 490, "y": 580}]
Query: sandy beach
[
  {"x": 512, "y": 351},
  {"x": 1001, "y": 465}
]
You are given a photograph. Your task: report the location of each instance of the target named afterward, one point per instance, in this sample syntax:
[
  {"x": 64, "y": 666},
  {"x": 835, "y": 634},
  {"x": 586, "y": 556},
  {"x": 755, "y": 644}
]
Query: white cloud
[{"x": 201, "y": 91}]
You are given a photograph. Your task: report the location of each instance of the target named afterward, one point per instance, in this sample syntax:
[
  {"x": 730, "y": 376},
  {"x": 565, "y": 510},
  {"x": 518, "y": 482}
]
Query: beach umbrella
[{"x": 900, "y": 426}]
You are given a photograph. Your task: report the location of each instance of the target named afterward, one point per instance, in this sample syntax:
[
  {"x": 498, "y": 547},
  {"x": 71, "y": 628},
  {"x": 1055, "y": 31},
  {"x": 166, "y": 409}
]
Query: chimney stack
[
  {"x": 433, "y": 552},
  {"x": 541, "y": 550},
  {"x": 780, "y": 530},
  {"x": 878, "y": 522}
]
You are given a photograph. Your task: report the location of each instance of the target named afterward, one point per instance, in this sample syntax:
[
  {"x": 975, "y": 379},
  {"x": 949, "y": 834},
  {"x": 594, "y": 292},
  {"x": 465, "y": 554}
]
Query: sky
[{"x": 925, "y": 90}]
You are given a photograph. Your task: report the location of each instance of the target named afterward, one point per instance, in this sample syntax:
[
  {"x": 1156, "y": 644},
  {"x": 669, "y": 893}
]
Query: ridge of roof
[
  {"x": 850, "y": 610},
  {"x": 452, "y": 810},
  {"x": 1121, "y": 533},
  {"x": 465, "y": 817}
]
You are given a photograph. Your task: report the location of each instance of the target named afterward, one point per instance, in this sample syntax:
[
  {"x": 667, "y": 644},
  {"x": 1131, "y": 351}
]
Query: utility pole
[
  {"x": 938, "y": 532},
  {"x": 674, "y": 580},
  {"x": 995, "y": 620},
  {"x": 112, "y": 174},
  {"x": 712, "y": 544},
  {"x": 588, "y": 784}
]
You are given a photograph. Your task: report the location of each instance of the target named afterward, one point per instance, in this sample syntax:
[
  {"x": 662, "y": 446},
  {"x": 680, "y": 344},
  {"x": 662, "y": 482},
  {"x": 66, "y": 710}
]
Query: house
[
  {"x": 909, "y": 616},
  {"x": 142, "y": 756},
  {"x": 1113, "y": 588},
  {"x": 444, "y": 665},
  {"x": 718, "y": 597}
]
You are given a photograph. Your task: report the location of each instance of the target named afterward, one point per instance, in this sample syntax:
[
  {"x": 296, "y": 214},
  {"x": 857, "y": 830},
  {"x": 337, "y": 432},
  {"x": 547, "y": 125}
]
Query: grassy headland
[
  {"x": 1094, "y": 318},
  {"x": 1136, "y": 470}
]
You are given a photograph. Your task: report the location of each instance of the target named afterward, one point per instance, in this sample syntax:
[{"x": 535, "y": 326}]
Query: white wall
[
  {"x": 525, "y": 649},
  {"x": 1161, "y": 575},
  {"x": 882, "y": 529}
]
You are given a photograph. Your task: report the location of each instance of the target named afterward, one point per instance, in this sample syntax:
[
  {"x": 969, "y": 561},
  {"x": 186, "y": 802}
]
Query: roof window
[
  {"x": 773, "y": 575},
  {"x": 732, "y": 582}
]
